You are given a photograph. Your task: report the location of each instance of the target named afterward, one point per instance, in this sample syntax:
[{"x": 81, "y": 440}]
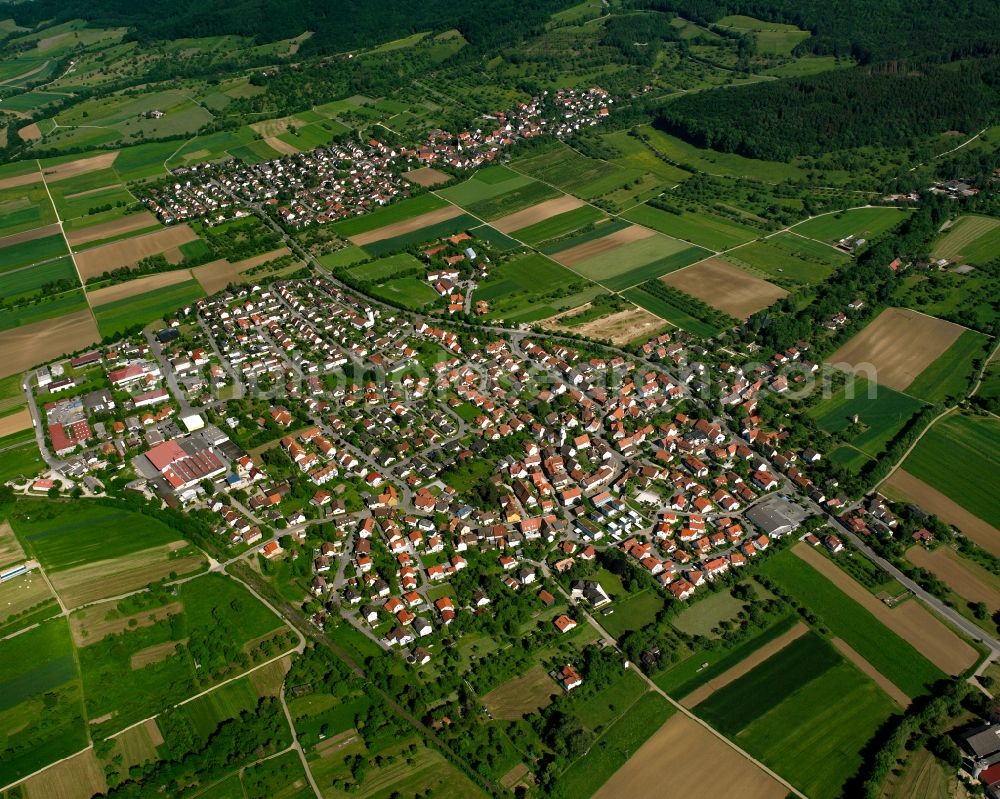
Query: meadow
[
  {"x": 117, "y": 317},
  {"x": 28, "y": 280},
  {"x": 576, "y": 173},
  {"x": 24, "y": 208},
  {"x": 971, "y": 239},
  {"x": 632, "y": 612},
  {"x": 954, "y": 372},
  {"x": 422, "y": 235},
  {"x": 511, "y": 201},
  {"x": 893, "y": 657},
  {"x": 384, "y": 267},
  {"x": 958, "y": 456},
  {"x": 862, "y": 223},
  {"x": 532, "y": 285},
  {"x": 705, "y": 614},
  {"x": 700, "y": 228},
  {"x": 32, "y": 252},
  {"x": 789, "y": 259},
  {"x": 383, "y": 217},
  {"x": 883, "y": 416},
  {"x": 559, "y": 225},
  {"x": 406, "y": 291},
  {"x": 484, "y": 185},
  {"x": 654, "y": 269}
]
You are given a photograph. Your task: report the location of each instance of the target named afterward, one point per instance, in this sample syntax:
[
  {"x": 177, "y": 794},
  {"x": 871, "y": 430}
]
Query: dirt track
[
  {"x": 29, "y": 345},
  {"x": 900, "y": 344},
  {"x": 910, "y": 620},
  {"x": 407, "y": 225},
  {"x": 683, "y": 759},
  {"x": 591, "y": 249},
  {"x": 726, "y": 287},
  {"x": 537, "y": 213}
]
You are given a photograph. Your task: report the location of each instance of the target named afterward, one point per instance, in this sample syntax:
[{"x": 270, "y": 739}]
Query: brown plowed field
[
  {"x": 29, "y": 345},
  {"x": 216, "y": 275},
  {"x": 965, "y": 578},
  {"x": 280, "y": 146},
  {"x": 95, "y": 262},
  {"x": 910, "y": 620},
  {"x": 933, "y": 501},
  {"x": 537, "y": 213},
  {"x": 726, "y": 287},
  {"x": 619, "y": 328},
  {"x": 899, "y": 344},
  {"x": 29, "y": 235},
  {"x": 20, "y": 180},
  {"x": 141, "y": 285},
  {"x": 744, "y": 666},
  {"x": 79, "y": 167},
  {"x": 407, "y": 225},
  {"x": 15, "y": 422},
  {"x": 591, "y": 249},
  {"x": 115, "y": 227},
  {"x": 427, "y": 176},
  {"x": 686, "y": 760}
]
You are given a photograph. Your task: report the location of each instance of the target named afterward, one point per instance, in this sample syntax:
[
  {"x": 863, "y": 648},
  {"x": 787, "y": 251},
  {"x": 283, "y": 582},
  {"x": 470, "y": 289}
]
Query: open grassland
[
  {"x": 688, "y": 747},
  {"x": 960, "y": 456},
  {"x": 41, "y": 709},
  {"x": 537, "y": 214},
  {"x": 25, "y": 208},
  {"x": 954, "y": 372},
  {"x": 861, "y": 223},
  {"x": 903, "y": 485},
  {"x": 390, "y": 215},
  {"x": 97, "y": 260},
  {"x": 524, "y": 694},
  {"x": 561, "y": 224},
  {"x": 881, "y": 413},
  {"x": 967, "y": 579},
  {"x": 773, "y": 38},
  {"x": 899, "y": 344},
  {"x": 725, "y": 287},
  {"x": 633, "y": 611},
  {"x": 31, "y": 344},
  {"x": 427, "y": 176},
  {"x": 80, "y": 777},
  {"x": 788, "y": 259},
  {"x": 972, "y": 239},
  {"x": 699, "y": 228},
  {"x": 140, "y": 310}
]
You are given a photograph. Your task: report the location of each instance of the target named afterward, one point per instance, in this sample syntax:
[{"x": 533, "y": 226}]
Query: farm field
[
  {"x": 725, "y": 287},
  {"x": 10, "y": 548},
  {"x": 78, "y": 196},
  {"x": 561, "y": 224},
  {"x": 385, "y": 267},
  {"x": 427, "y": 176},
  {"x": 533, "y": 287},
  {"x": 535, "y": 215},
  {"x": 880, "y": 416},
  {"x": 971, "y": 239},
  {"x": 788, "y": 259},
  {"x": 603, "y": 239},
  {"x": 27, "y": 281},
  {"x": 618, "y": 328},
  {"x": 80, "y": 777},
  {"x": 960, "y": 456},
  {"x": 967, "y": 579},
  {"x": 16, "y": 255},
  {"x": 702, "y": 229},
  {"x": 954, "y": 372},
  {"x": 410, "y": 225},
  {"x": 58, "y": 306},
  {"x": 903, "y": 485},
  {"x": 900, "y": 344},
  {"x": 139, "y": 310},
  {"x": 485, "y": 184},
  {"x": 131, "y": 288},
  {"x": 41, "y": 709},
  {"x": 95, "y": 261},
  {"x": 390, "y": 215},
  {"x": 670, "y": 312},
  {"x": 524, "y": 694},
  {"x": 576, "y": 173},
  {"x": 861, "y": 223},
  {"x": 24, "y": 208},
  {"x": 31, "y": 344},
  {"x": 116, "y": 228}
]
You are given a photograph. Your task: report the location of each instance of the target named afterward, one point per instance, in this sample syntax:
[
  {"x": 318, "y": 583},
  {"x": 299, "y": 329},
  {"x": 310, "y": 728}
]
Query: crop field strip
[{"x": 725, "y": 287}]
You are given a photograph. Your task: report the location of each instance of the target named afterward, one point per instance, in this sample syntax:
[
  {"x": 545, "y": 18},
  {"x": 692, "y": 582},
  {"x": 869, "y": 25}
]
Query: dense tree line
[{"x": 885, "y": 105}]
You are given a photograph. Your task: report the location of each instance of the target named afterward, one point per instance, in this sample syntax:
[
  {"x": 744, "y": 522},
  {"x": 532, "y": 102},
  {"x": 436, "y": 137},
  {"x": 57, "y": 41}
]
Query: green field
[
  {"x": 559, "y": 225},
  {"x": 344, "y": 257},
  {"x": 62, "y": 304},
  {"x": 862, "y": 223},
  {"x": 632, "y": 612},
  {"x": 532, "y": 287},
  {"x": 41, "y": 708},
  {"x": 384, "y": 267},
  {"x": 24, "y": 208},
  {"x": 953, "y": 373},
  {"x": 972, "y": 239},
  {"x": 457, "y": 224},
  {"x": 654, "y": 269},
  {"x": 81, "y": 195},
  {"x": 143, "y": 160},
  {"x": 670, "y": 312},
  {"x": 599, "y": 231},
  {"x": 787, "y": 258},
  {"x": 225, "y": 702},
  {"x": 30, "y": 279},
  {"x": 627, "y": 257},
  {"x": 314, "y": 135},
  {"x": 121, "y": 315},
  {"x": 21, "y": 457},
  {"x": 702, "y": 229},
  {"x": 255, "y": 152},
  {"x": 772, "y": 38},
  {"x": 484, "y": 185},
  {"x": 881, "y": 417},
  {"x": 406, "y": 291},
  {"x": 511, "y": 201},
  {"x": 706, "y": 613},
  {"x": 64, "y": 535},
  {"x": 397, "y": 212},
  {"x": 576, "y": 173},
  {"x": 896, "y": 659},
  {"x": 960, "y": 456},
  {"x": 31, "y": 252}
]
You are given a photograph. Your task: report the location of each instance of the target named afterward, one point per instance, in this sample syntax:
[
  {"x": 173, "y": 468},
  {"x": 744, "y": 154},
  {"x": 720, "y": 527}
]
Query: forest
[{"x": 885, "y": 105}]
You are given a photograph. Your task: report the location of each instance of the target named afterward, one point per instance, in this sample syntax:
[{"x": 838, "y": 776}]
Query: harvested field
[
  {"x": 407, "y": 225},
  {"x": 726, "y": 287},
  {"x": 79, "y": 777},
  {"x": 216, "y": 275},
  {"x": 29, "y": 345},
  {"x": 10, "y": 547},
  {"x": 130, "y": 288},
  {"x": 535, "y": 214},
  {"x": 95, "y": 262},
  {"x": 79, "y": 167},
  {"x": 90, "y": 626},
  {"x": 29, "y": 235},
  {"x": 20, "y": 180},
  {"x": 933, "y": 501},
  {"x": 154, "y": 654},
  {"x": 619, "y": 328},
  {"x": 967, "y": 579},
  {"x": 744, "y": 666},
  {"x": 30, "y": 132},
  {"x": 911, "y": 620},
  {"x": 18, "y": 594},
  {"x": 591, "y": 249},
  {"x": 899, "y": 344},
  {"x": 280, "y": 146},
  {"x": 879, "y": 679},
  {"x": 107, "y": 578},
  {"x": 701, "y": 764},
  {"x": 106, "y": 230},
  {"x": 15, "y": 422},
  {"x": 427, "y": 176},
  {"x": 531, "y": 691}
]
